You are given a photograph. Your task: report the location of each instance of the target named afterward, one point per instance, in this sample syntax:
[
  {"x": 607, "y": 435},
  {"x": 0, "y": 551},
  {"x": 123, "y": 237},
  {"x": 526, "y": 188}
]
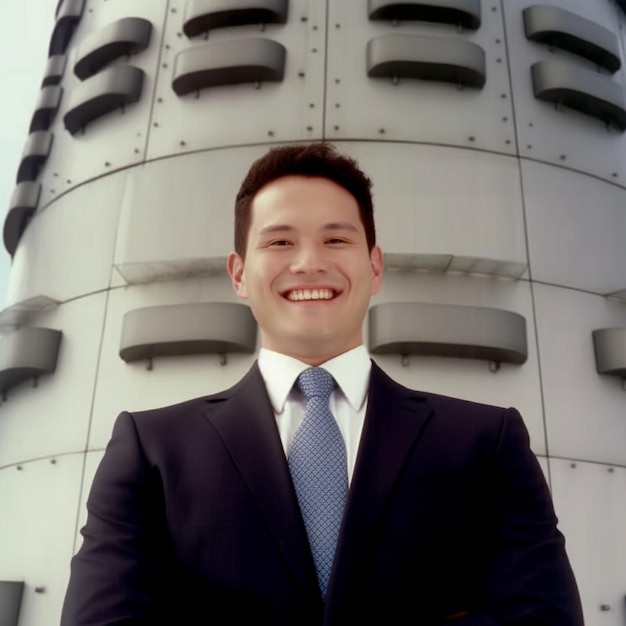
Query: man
[{"x": 198, "y": 515}]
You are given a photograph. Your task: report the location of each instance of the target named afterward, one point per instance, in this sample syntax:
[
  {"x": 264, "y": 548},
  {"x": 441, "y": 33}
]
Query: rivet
[
  {"x": 572, "y": 465},
  {"x": 156, "y": 124},
  {"x": 381, "y": 131},
  {"x": 304, "y": 18},
  {"x": 337, "y": 105},
  {"x": 182, "y": 143},
  {"x": 301, "y": 74},
  {"x": 19, "y": 468},
  {"x": 314, "y": 50},
  {"x": 107, "y": 164},
  {"x": 337, "y": 81},
  {"x": 309, "y": 128},
  {"x": 503, "y": 96},
  {"x": 55, "y": 174},
  {"x": 164, "y": 65},
  {"x": 314, "y": 27},
  {"x": 498, "y": 40},
  {"x": 336, "y": 127},
  {"x": 337, "y": 25},
  {"x": 311, "y": 105},
  {"x": 507, "y": 142},
  {"x": 173, "y": 9},
  {"x": 505, "y": 119},
  {"x": 611, "y": 470},
  {"x": 179, "y": 34},
  {"x": 270, "y": 133},
  {"x": 605, "y": 607},
  {"x": 494, "y": 9},
  {"x": 614, "y": 174},
  {"x": 136, "y": 150},
  {"x": 530, "y": 146},
  {"x": 530, "y": 124},
  {"x": 40, "y": 589},
  {"x": 167, "y": 46},
  {"x": 159, "y": 99},
  {"x": 498, "y": 60},
  {"x": 472, "y": 138},
  {"x": 563, "y": 157},
  {"x": 53, "y": 461}
]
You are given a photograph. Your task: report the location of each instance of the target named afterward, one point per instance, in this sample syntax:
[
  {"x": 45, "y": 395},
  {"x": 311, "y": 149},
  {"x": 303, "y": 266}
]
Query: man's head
[
  {"x": 308, "y": 263},
  {"x": 318, "y": 159}
]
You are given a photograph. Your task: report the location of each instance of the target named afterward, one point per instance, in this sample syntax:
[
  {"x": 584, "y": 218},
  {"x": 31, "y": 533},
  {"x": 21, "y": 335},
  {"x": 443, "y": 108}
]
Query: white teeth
[{"x": 310, "y": 294}]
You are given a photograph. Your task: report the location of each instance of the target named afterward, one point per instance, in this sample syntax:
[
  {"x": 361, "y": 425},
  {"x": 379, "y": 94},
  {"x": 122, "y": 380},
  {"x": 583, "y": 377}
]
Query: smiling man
[{"x": 317, "y": 491}]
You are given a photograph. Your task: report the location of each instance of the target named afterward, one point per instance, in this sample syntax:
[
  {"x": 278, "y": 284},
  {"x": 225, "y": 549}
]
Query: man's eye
[
  {"x": 280, "y": 242},
  {"x": 336, "y": 240}
]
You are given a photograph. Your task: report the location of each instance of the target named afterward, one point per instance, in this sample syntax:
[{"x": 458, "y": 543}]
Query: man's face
[{"x": 308, "y": 273}]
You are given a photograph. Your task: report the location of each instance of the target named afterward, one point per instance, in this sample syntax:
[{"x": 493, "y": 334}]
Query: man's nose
[{"x": 309, "y": 259}]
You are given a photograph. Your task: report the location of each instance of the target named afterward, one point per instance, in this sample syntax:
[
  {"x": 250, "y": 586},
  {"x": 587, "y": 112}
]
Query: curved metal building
[{"x": 494, "y": 133}]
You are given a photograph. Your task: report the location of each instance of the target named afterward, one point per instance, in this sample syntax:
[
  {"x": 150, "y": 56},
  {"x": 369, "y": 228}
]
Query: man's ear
[
  {"x": 377, "y": 265},
  {"x": 235, "y": 267}
]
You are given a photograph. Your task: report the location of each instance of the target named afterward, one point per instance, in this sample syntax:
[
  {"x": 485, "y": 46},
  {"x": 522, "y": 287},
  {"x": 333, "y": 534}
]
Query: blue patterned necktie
[{"x": 317, "y": 462}]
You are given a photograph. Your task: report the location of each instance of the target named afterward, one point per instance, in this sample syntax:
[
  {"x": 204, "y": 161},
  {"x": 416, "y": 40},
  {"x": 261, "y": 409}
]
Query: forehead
[{"x": 302, "y": 196}]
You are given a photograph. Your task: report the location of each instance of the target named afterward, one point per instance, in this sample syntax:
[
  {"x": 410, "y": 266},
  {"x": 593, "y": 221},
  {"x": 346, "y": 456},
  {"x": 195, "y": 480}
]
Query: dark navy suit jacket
[{"x": 193, "y": 520}]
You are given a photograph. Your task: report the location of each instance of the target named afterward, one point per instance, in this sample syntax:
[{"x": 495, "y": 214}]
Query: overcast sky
[{"x": 25, "y": 31}]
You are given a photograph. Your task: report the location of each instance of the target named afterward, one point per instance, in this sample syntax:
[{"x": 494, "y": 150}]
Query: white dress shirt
[{"x": 348, "y": 403}]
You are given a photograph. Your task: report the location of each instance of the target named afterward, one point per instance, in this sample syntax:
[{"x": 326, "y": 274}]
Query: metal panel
[
  {"x": 566, "y": 30},
  {"x": 559, "y": 135},
  {"x": 465, "y": 13},
  {"x": 27, "y": 353},
  {"x": 49, "y": 420},
  {"x": 185, "y": 329},
  {"x": 107, "y": 91},
  {"x": 422, "y": 111},
  {"x": 575, "y": 228},
  {"x": 201, "y": 16},
  {"x": 55, "y": 67},
  {"x": 10, "y": 602},
  {"x": 68, "y": 15},
  {"x": 580, "y": 89},
  {"x": 228, "y": 63},
  {"x": 34, "y": 156},
  {"x": 124, "y": 37},
  {"x": 428, "y": 58},
  {"x": 590, "y": 502},
  {"x": 113, "y": 141},
  {"x": 448, "y": 331},
  {"x": 584, "y": 412},
  {"x": 67, "y": 250},
  {"x": 245, "y": 114},
  {"x": 475, "y": 225},
  {"x": 37, "y": 525},
  {"x": 22, "y": 206},
  {"x": 610, "y": 349},
  {"x": 46, "y": 107}
]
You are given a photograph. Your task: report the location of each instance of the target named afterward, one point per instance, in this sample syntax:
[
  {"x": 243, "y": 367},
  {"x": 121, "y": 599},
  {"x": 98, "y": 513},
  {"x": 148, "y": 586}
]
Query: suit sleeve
[
  {"x": 530, "y": 581},
  {"x": 118, "y": 574}
]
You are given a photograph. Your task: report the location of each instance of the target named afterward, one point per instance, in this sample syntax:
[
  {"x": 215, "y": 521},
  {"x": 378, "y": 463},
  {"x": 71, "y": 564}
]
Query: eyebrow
[{"x": 284, "y": 228}]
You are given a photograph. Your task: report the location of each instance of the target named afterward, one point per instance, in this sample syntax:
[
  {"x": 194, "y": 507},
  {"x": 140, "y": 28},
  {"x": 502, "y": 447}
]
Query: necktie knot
[{"x": 316, "y": 382}]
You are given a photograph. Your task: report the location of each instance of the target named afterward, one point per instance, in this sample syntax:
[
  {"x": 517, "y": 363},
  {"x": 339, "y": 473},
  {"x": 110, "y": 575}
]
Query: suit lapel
[
  {"x": 244, "y": 419},
  {"x": 394, "y": 421}
]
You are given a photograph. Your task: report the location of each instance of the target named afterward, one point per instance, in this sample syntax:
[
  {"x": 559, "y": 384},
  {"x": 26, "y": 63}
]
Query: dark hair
[{"x": 318, "y": 159}]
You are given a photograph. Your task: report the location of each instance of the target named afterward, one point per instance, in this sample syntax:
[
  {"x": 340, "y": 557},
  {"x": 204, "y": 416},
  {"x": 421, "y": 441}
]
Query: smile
[{"x": 297, "y": 295}]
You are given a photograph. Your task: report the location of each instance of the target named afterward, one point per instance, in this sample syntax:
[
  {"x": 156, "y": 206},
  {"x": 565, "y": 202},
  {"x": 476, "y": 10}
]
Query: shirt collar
[{"x": 351, "y": 370}]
